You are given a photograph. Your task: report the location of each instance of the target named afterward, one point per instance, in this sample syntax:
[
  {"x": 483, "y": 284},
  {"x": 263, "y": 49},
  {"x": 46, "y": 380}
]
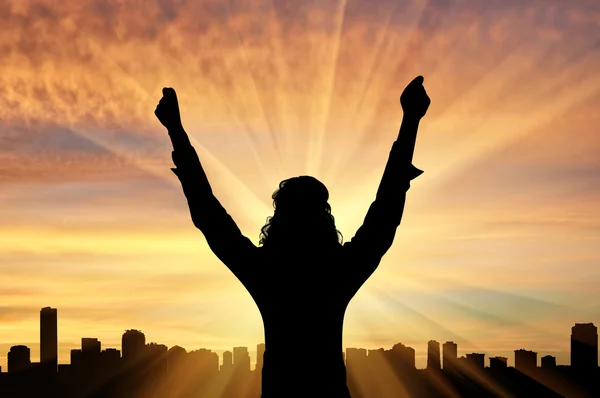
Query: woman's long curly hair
[{"x": 301, "y": 209}]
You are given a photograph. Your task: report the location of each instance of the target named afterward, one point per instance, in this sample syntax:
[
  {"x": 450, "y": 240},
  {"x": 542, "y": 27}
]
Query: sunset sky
[{"x": 499, "y": 248}]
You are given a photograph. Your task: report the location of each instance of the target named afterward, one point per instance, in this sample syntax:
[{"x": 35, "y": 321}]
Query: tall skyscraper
[
  {"x": 19, "y": 358},
  {"x": 212, "y": 361},
  {"x": 156, "y": 358},
  {"x": 76, "y": 358},
  {"x": 204, "y": 360},
  {"x": 260, "y": 353},
  {"x": 111, "y": 356},
  {"x": 433, "y": 355},
  {"x": 357, "y": 355},
  {"x": 91, "y": 345},
  {"x": 49, "y": 337},
  {"x": 176, "y": 358},
  {"x": 241, "y": 358},
  {"x": 476, "y": 360},
  {"x": 450, "y": 354},
  {"x": 356, "y": 363},
  {"x": 584, "y": 346},
  {"x": 90, "y": 352},
  {"x": 548, "y": 362},
  {"x": 227, "y": 361},
  {"x": 403, "y": 358},
  {"x": 133, "y": 344},
  {"x": 109, "y": 362},
  {"x": 498, "y": 362},
  {"x": 525, "y": 360},
  {"x": 376, "y": 357}
]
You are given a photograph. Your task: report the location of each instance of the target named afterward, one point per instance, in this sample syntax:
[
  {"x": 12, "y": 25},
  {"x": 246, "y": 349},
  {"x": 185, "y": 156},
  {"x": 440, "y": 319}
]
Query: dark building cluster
[{"x": 144, "y": 369}]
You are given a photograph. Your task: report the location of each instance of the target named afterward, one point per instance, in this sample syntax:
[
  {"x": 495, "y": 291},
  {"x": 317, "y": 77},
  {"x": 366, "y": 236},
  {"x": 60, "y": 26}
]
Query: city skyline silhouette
[
  {"x": 580, "y": 338},
  {"x": 97, "y": 369}
]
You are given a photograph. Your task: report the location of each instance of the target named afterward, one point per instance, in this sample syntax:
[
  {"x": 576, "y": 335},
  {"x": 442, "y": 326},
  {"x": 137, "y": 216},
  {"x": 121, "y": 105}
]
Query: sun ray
[
  {"x": 242, "y": 125},
  {"x": 393, "y": 306},
  {"x": 279, "y": 83},
  {"x": 488, "y": 83},
  {"x": 502, "y": 317},
  {"x": 446, "y": 284},
  {"x": 386, "y": 298},
  {"x": 315, "y": 151},
  {"x": 381, "y": 49},
  {"x": 241, "y": 186},
  {"x": 476, "y": 148},
  {"x": 256, "y": 93}
]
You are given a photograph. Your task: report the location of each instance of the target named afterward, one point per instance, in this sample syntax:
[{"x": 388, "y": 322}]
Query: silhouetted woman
[{"x": 301, "y": 276}]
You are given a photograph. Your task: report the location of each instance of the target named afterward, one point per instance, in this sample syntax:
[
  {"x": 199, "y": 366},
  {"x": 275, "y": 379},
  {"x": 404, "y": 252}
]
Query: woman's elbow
[{"x": 199, "y": 222}]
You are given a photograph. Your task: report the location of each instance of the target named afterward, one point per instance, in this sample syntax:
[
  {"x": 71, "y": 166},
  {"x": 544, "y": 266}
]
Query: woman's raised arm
[
  {"x": 208, "y": 215},
  {"x": 376, "y": 235}
]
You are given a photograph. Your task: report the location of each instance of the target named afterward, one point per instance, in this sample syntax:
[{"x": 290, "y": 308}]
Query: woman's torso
[{"x": 302, "y": 297}]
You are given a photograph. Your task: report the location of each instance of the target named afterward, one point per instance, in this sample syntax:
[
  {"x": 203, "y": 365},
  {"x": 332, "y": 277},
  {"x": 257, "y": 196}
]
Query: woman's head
[{"x": 302, "y": 214}]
